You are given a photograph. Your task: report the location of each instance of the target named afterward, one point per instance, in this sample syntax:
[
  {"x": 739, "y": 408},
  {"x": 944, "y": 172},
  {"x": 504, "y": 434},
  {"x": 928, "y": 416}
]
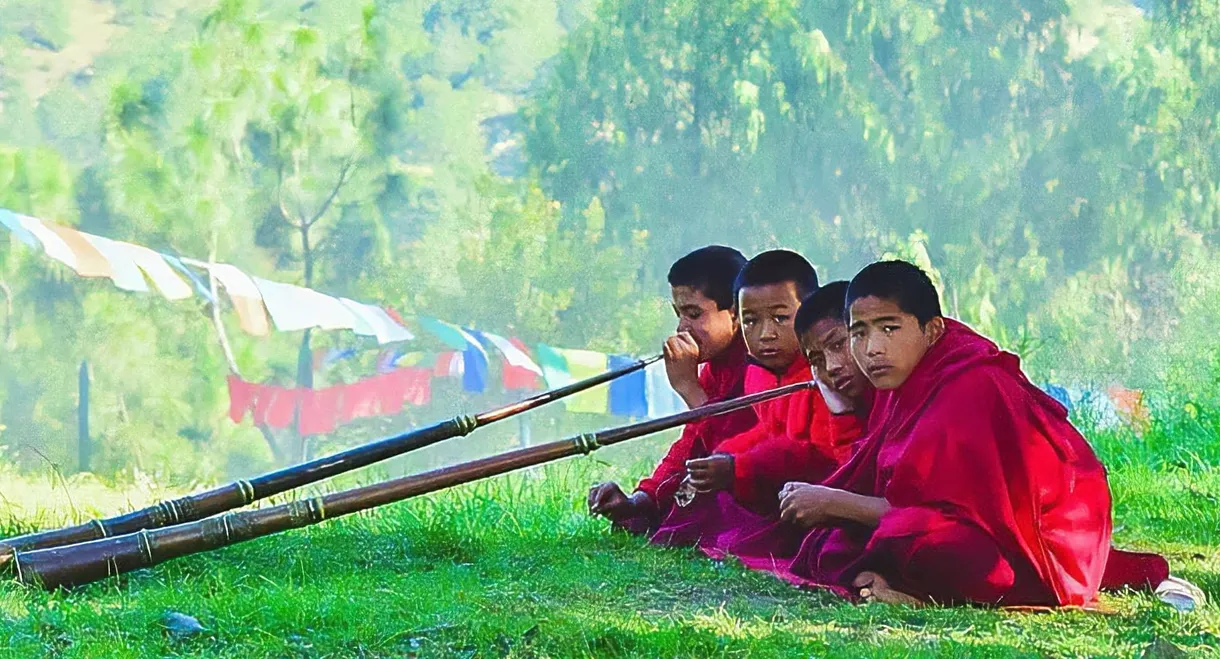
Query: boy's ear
[{"x": 935, "y": 329}]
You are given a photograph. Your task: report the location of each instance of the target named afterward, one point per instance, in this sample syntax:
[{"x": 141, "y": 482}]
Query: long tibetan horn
[
  {"x": 243, "y": 492},
  {"x": 96, "y": 560}
]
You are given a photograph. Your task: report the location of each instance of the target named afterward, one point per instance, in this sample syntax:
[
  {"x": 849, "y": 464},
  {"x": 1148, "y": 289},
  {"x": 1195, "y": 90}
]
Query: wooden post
[
  {"x": 83, "y": 446},
  {"x": 523, "y": 430}
]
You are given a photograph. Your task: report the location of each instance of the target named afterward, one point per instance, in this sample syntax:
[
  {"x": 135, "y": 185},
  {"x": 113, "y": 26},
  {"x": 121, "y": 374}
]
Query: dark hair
[
  {"x": 900, "y": 282},
  {"x": 710, "y": 270},
  {"x": 829, "y": 301},
  {"x": 776, "y": 267}
]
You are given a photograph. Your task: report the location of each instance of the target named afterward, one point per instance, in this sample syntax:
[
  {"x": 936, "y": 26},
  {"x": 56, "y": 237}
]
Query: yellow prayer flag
[{"x": 584, "y": 364}]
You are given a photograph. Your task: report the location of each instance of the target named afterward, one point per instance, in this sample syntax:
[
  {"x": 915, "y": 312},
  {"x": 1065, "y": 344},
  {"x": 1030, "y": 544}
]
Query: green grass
[{"x": 513, "y": 568}]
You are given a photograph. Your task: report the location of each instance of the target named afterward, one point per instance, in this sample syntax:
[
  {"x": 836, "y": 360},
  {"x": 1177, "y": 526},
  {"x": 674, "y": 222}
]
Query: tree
[
  {"x": 316, "y": 149},
  {"x": 1026, "y": 142}
]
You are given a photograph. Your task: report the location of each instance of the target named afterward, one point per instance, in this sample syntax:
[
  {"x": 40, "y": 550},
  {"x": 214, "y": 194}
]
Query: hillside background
[{"x": 531, "y": 167}]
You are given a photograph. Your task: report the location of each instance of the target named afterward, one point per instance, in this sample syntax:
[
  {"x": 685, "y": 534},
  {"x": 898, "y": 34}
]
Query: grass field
[{"x": 513, "y": 568}]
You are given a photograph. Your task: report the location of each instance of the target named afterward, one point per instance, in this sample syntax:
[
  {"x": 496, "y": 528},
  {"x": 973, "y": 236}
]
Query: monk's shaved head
[
  {"x": 711, "y": 271},
  {"x": 823, "y": 333},
  {"x": 902, "y": 283},
  {"x": 701, "y": 286},
  {"x": 779, "y": 266},
  {"x": 894, "y": 317},
  {"x": 829, "y": 301},
  {"x": 769, "y": 292}
]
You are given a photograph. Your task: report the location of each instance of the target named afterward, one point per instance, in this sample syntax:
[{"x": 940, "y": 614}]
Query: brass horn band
[
  {"x": 242, "y": 493},
  {"x": 92, "y": 561}
]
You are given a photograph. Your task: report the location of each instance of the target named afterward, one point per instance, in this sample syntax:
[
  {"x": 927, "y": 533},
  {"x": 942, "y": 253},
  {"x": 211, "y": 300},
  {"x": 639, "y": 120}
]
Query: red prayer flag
[
  {"x": 394, "y": 316},
  {"x": 449, "y": 364},
  {"x": 390, "y": 390},
  {"x": 320, "y": 410},
  {"x": 241, "y": 397},
  {"x": 282, "y": 407},
  {"x": 516, "y": 377},
  {"x": 419, "y": 386},
  {"x": 359, "y": 400},
  {"x": 404, "y": 385},
  {"x": 264, "y": 398}
]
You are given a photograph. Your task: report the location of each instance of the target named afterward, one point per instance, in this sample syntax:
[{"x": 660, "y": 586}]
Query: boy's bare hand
[
  {"x": 711, "y": 474},
  {"x": 609, "y": 501},
  {"x": 682, "y": 366}
]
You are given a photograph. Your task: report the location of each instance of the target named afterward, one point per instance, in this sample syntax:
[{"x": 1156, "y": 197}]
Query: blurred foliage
[{"x": 533, "y": 166}]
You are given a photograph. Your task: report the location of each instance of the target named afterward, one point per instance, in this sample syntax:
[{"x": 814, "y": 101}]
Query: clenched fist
[
  {"x": 682, "y": 366},
  {"x": 808, "y": 505},
  {"x": 712, "y": 474}
]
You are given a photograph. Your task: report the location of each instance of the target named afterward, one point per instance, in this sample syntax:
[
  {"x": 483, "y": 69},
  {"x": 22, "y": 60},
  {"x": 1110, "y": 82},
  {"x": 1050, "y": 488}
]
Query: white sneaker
[{"x": 1180, "y": 594}]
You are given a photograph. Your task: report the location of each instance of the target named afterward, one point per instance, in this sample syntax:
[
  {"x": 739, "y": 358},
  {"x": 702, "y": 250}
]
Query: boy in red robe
[
  {"x": 771, "y": 546},
  {"x": 972, "y": 486},
  {"x": 701, "y": 286},
  {"x": 844, "y": 387}
]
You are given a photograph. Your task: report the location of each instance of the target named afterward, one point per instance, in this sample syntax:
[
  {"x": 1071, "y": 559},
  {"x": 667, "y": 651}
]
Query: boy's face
[
  {"x": 888, "y": 342},
  {"x": 828, "y": 349},
  {"x": 712, "y": 328},
  {"x": 766, "y": 314}
]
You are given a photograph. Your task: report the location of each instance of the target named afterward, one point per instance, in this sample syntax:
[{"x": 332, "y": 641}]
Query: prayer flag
[
  {"x": 243, "y": 293},
  {"x": 295, "y": 308},
  {"x": 374, "y": 321},
  {"x": 515, "y": 377},
  {"x": 628, "y": 393},
  {"x": 123, "y": 269},
  {"x": 9, "y": 219},
  {"x": 584, "y": 364},
  {"x": 203, "y": 289},
  {"x": 662, "y": 399},
  {"x": 554, "y": 367},
  {"x": 474, "y": 370},
  {"x": 87, "y": 260},
  {"x": 514, "y": 356}
]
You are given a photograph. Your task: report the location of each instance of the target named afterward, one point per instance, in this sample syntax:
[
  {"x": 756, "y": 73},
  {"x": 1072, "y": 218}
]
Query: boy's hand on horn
[{"x": 682, "y": 367}]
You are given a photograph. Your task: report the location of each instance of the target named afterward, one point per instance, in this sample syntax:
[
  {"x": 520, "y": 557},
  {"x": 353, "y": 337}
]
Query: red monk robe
[
  {"x": 796, "y": 438},
  {"x": 722, "y": 378},
  {"x": 996, "y": 498}
]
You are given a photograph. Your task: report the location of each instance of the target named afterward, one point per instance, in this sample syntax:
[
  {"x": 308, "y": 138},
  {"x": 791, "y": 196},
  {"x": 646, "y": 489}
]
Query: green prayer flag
[
  {"x": 450, "y": 335},
  {"x": 554, "y": 367}
]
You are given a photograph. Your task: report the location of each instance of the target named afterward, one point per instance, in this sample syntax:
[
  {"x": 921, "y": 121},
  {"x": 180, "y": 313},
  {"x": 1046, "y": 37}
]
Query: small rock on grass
[{"x": 180, "y": 625}]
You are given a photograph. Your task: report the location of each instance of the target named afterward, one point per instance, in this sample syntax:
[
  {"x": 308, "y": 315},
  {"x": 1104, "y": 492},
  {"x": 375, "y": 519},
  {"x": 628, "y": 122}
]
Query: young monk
[
  {"x": 972, "y": 486},
  {"x": 701, "y": 287},
  {"x": 766, "y": 545},
  {"x": 848, "y": 393}
]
